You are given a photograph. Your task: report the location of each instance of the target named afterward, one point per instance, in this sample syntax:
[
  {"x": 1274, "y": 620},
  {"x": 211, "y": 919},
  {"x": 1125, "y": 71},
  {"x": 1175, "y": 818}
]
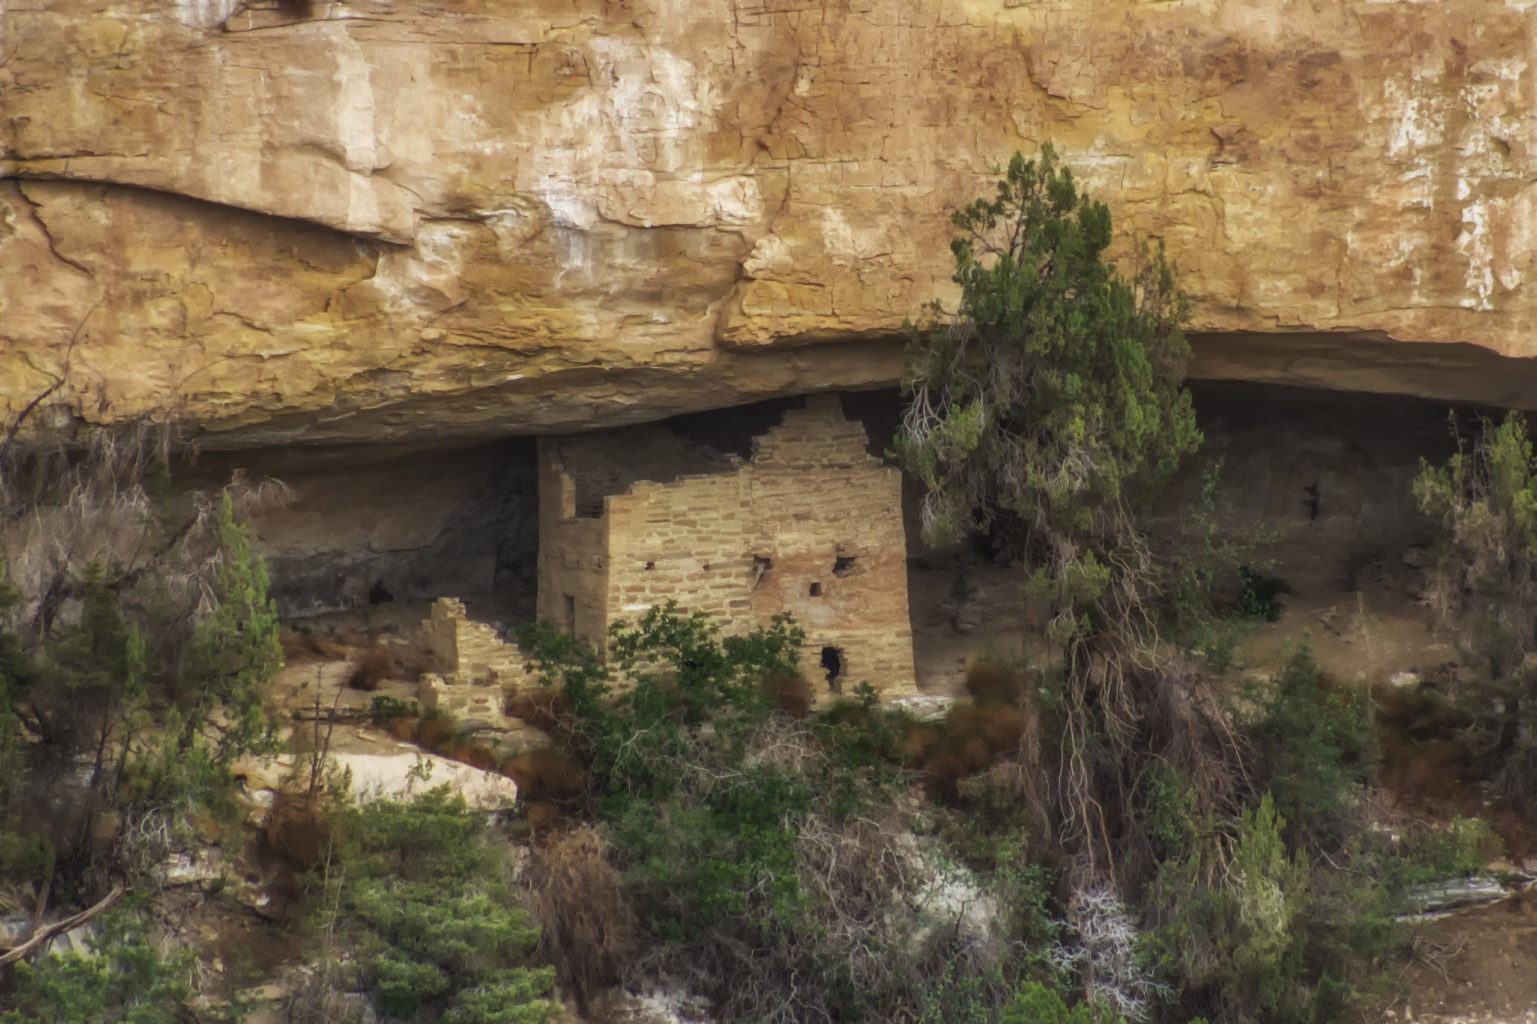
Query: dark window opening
[
  {"x": 843, "y": 566},
  {"x": 379, "y": 594},
  {"x": 761, "y": 564},
  {"x": 832, "y": 664},
  {"x": 568, "y": 611},
  {"x": 650, "y": 566},
  {"x": 816, "y": 590}
]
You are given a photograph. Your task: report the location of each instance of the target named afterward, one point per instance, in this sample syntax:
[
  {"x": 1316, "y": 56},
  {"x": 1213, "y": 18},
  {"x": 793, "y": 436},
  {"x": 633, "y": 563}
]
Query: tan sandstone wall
[
  {"x": 482, "y": 217},
  {"x": 829, "y": 498},
  {"x": 685, "y": 541},
  {"x": 573, "y": 567},
  {"x": 746, "y": 544}
]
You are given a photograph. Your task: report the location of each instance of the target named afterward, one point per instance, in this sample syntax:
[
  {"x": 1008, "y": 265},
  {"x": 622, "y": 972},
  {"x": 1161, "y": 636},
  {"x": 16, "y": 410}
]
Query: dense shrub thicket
[
  {"x": 425, "y": 900},
  {"x": 779, "y": 865},
  {"x": 769, "y": 860}
]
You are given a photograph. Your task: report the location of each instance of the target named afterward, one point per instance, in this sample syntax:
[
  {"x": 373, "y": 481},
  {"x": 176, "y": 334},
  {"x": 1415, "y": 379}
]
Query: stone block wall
[
  {"x": 573, "y": 565},
  {"x": 474, "y": 670},
  {"x": 830, "y": 522},
  {"x": 811, "y": 525},
  {"x": 683, "y": 541}
]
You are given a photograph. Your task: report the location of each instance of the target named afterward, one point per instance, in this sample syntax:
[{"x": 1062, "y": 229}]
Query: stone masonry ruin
[
  {"x": 474, "y": 670},
  {"x": 809, "y": 524}
]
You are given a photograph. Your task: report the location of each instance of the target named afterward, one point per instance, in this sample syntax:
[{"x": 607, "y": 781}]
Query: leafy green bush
[
  {"x": 1034, "y": 1003},
  {"x": 1462, "y": 847},
  {"x": 1227, "y": 914},
  {"x": 235, "y": 649},
  {"x": 1258, "y": 594},
  {"x": 1052, "y": 405},
  {"x": 762, "y": 851},
  {"x": 388, "y": 709},
  {"x": 1288, "y": 918},
  {"x": 1056, "y": 389},
  {"x": 144, "y": 664}
]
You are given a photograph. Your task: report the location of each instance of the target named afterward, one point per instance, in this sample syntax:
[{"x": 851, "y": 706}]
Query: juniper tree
[
  {"x": 1484, "y": 502},
  {"x": 235, "y": 650},
  {"x": 1051, "y": 404}
]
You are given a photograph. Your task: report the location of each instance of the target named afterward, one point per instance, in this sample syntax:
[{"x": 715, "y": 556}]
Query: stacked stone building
[{"x": 810, "y": 524}]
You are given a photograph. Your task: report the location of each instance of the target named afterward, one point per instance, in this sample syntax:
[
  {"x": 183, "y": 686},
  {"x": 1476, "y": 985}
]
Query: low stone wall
[{"x": 475, "y": 670}]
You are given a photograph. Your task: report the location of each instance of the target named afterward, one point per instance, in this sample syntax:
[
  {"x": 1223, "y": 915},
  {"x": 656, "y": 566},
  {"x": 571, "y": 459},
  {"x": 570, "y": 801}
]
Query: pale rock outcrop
[
  {"x": 369, "y": 219},
  {"x": 402, "y": 774}
]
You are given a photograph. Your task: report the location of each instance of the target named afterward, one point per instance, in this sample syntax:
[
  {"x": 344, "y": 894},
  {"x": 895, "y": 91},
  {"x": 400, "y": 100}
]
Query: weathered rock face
[{"x": 335, "y": 220}]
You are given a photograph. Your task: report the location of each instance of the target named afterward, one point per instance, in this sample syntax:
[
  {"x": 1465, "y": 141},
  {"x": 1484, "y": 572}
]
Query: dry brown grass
[
  {"x": 467, "y": 751},
  {"x": 300, "y": 647},
  {"x": 298, "y": 831},
  {"x": 545, "y": 773},
  {"x": 540, "y": 815},
  {"x": 991, "y": 683},
  {"x": 971, "y": 739},
  {"x": 588, "y": 928},
  {"x": 373, "y": 668},
  {"x": 434, "y": 731},
  {"x": 1433, "y": 778},
  {"x": 547, "y": 710},
  {"x": 918, "y": 741},
  {"x": 791, "y": 694}
]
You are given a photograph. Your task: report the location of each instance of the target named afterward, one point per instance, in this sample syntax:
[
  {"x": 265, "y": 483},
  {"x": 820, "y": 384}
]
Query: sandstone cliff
[{"x": 283, "y": 219}]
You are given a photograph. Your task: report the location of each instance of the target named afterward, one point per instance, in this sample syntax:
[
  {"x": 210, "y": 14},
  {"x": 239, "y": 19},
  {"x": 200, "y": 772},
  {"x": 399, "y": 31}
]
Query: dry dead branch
[{"x": 43, "y": 935}]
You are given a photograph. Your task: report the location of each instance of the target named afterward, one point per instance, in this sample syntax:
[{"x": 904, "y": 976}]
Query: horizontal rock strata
[{"x": 347, "y": 220}]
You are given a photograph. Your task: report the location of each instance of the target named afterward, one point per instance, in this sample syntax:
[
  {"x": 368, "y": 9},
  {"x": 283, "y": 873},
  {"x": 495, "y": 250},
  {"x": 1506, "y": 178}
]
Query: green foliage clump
[
  {"x": 235, "y": 649},
  {"x": 708, "y": 840},
  {"x": 1228, "y": 915},
  {"x": 1056, "y": 390},
  {"x": 1314, "y": 751},
  {"x": 135, "y": 635},
  {"x": 1034, "y": 1003},
  {"x": 1484, "y": 504},
  {"x": 767, "y": 865},
  {"x": 437, "y": 935},
  {"x": 1203, "y": 558},
  {"x": 1288, "y": 911},
  {"x": 126, "y": 979},
  {"x": 1257, "y": 594},
  {"x": 389, "y": 709},
  {"x": 1458, "y": 849}
]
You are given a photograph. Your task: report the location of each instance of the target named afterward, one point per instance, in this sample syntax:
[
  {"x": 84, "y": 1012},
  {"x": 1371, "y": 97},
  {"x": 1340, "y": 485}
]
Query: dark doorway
[{"x": 832, "y": 664}]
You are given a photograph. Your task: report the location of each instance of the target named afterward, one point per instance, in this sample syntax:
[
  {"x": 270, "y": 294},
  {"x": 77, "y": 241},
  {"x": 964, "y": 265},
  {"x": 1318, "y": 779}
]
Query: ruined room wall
[
  {"x": 811, "y": 494},
  {"x": 476, "y": 669},
  {"x": 573, "y": 577},
  {"x": 818, "y": 495},
  {"x": 683, "y": 540}
]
